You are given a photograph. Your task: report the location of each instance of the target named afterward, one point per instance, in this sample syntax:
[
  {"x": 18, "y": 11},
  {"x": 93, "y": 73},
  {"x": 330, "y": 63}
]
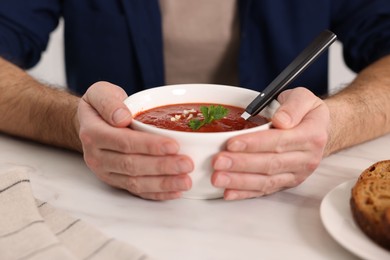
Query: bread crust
[
  {"x": 379, "y": 170},
  {"x": 370, "y": 202}
]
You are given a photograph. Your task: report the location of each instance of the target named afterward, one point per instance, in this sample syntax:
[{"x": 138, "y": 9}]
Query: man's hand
[
  {"x": 146, "y": 165},
  {"x": 264, "y": 162}
]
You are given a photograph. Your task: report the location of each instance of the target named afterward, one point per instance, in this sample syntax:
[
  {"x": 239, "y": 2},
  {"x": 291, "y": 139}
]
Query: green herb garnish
[{"x": 210, "y": 114}]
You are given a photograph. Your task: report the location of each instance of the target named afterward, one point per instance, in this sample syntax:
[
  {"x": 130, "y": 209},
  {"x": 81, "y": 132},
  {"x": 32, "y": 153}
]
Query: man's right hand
[{"x": 146, "y": 165}]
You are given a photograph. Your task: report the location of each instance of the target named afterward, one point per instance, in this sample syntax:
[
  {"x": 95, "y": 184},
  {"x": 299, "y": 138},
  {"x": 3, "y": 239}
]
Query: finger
[
  {"x": 168, "y": 195},
  {"x": 160, "y": 196},
  {"x": 107, "y": 99},
  {"x": 294, "y": 105},
  {"x": 266, "y": 163},
  {"x": 260, "y": 183},
  {"x": 273, "y": 140},
  {"x": 125, "y": 140},
  {"x": 148, "y": 184},
  {"x": 140, "y": 165},
  {"x": 309, "y": 135},
  {"x": 244, "y": 194}
]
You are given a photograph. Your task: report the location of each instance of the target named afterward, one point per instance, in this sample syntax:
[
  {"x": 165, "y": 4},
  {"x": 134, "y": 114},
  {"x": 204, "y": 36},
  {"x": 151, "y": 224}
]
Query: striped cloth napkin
[{"x": 31, "y": 229}]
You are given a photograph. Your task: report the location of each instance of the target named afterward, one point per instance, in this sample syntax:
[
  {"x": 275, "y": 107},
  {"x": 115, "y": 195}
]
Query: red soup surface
[{"x": 177, "y": 117}]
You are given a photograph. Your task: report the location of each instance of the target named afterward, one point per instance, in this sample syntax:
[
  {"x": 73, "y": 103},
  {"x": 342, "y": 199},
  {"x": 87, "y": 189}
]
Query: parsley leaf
[
  {"x": 210, "y": 114},
  {"x": 195, "y": 124}
]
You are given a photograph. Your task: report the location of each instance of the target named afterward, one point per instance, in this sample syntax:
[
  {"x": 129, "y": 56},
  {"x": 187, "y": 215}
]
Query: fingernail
[
  {"x": 236, "y": 146},
  {"x": 169, "y": 148},
  {"x": 222, "y": 181},
  {"x": 182, "y": 184},
  {"x": 120, "y": 115},
  {"x": 231, "y": 196},
  {"x": 283, "y": 118},
  {"x": 223, "y": 163},
  {"x": 184, "y": 166}
]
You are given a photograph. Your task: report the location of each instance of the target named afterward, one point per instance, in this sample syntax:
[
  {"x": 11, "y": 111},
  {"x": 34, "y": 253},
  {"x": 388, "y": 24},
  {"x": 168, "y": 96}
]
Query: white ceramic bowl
[{"x": 201, "y": 147}]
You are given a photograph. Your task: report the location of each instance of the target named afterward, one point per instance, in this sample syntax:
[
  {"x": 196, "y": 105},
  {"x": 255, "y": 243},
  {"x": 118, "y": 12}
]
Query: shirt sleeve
[
  {"x": 25, "y": 27},
  {"x": 363, "y": 27}
]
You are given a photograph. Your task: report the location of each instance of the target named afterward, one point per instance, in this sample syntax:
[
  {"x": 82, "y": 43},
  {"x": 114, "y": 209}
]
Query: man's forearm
[
  {"x": 34, "y": 111},
  {"x": 361, "y": 111}
]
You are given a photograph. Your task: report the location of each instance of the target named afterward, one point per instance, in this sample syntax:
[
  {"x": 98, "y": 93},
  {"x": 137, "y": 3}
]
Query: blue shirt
[{"x": 121, "y": 40}]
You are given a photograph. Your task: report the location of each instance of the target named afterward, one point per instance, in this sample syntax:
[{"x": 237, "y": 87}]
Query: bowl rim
[{"x": 151, "y": 128}]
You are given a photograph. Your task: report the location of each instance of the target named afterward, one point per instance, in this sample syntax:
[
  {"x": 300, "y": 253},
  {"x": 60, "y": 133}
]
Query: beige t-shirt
[{"x": 201, "y": 41}]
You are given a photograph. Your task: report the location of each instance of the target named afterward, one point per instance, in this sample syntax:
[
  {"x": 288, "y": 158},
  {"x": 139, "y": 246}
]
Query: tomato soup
[{"x": 177, "y": 117}]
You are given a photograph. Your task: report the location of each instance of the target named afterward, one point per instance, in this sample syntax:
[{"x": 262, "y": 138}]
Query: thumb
[
  {"x": 107, "y": 99},
  {"x": 295, "y": 104}
]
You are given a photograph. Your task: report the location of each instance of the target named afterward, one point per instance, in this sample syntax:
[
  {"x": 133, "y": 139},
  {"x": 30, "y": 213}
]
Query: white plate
[{"x": 337, "y": 218}]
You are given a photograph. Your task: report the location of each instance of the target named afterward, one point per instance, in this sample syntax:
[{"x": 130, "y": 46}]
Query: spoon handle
[{"x": 296, "y": 67}]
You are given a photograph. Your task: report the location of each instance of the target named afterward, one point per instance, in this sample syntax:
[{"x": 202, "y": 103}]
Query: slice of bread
[{"x": 370, "y": 202}]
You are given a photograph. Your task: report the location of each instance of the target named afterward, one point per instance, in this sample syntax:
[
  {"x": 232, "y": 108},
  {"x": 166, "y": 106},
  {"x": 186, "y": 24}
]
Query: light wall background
[{"x": 51, "y": 67}]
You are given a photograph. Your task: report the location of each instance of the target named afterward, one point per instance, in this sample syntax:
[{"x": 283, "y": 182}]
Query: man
[{"x": 138, "y": 44}]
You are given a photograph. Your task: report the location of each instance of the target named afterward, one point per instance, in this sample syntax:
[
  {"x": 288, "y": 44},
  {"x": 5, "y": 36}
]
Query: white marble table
[{"x": 286, "y": 225}]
